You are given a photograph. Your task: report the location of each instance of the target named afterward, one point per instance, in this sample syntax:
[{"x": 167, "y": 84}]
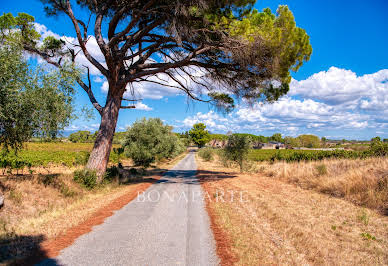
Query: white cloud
[
  {"x": 142, "y": 106},
  {"x": 81, "y": 60},
  {"x": 343, "y": 87}
]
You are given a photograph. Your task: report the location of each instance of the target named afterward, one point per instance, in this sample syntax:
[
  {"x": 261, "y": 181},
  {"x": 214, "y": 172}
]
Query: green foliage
[
  {"x": 237, "y": 149},
  {"x": 8, "y": 164},
  {"x": 119, "y": 137},
  {"x": 43, "y": 154},
  {"x": 150, "y": 140},
  {"x": 111, "y": 174},
  {"x": 378, "y": 148},
  {"x": 81, "y": 158},
  {"x": 309, "y": 141},
  {"x": 222, "y": 101},
  {"x": 86, "y": 178},
  {"x": 313, "y": 155},
  {"x": 289, "y": 42},
  {"x": 32, "y": 101},
  {"x": 119, "y": 151},
  {"x": 199, "y": 135},
  {"x": 218, "y": 137},
  {"x": 276, "y": 137},
  {"x": 368, "y": 236},
  {"x": 81, "y": 137},
  {"x": 293, "y": 142},
  {"x": 206, "y": 154},
  {"x": 321, "y": 169},
  {"x": 254, "y": 138}
]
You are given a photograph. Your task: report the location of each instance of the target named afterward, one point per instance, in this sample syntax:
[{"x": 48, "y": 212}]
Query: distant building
[{"x": 272, "y": 145}]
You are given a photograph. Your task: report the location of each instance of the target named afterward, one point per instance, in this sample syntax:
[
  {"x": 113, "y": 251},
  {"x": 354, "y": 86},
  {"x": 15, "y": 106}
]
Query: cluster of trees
[
  {"x": 82, "y": 137},
  {"x": 255, "y": 138},
  {"x": 308, "y": 141}
]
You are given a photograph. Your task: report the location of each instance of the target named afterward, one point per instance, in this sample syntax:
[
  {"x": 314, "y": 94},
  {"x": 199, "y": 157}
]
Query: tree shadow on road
[
  {"x": 23, "y": 250},
  {"x": 193, "y": 176}
]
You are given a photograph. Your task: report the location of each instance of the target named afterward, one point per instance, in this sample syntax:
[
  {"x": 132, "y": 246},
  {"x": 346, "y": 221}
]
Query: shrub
[
  {"x": 150, "y": 140},
  {"x": 378, "y": 148},
  {"x": 110, "y": 174},
  {"x": 81, "y": 158},
  {"x": 237, "y": 149},
  {"x": 206, "y": 154},
  {"x": 321, "y": 169},
  {"x": 86, "y": 178}
]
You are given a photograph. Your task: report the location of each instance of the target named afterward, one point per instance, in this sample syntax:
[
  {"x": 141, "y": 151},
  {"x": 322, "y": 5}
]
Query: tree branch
[{"x": 75, "y": 22}]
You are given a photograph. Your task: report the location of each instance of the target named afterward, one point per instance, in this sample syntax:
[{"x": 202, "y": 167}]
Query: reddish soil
[{"x": 223, "y": 243}]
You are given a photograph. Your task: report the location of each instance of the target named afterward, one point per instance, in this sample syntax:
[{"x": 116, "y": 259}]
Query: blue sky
[{"x": 342, "y": 92}]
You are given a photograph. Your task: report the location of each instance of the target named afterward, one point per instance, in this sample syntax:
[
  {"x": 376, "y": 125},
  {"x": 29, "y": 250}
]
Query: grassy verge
[{"x": 279, "y": 223}]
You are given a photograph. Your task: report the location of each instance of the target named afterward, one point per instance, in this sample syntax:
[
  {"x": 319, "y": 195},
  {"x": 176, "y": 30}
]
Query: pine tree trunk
[{"x": 99, "y": 157}]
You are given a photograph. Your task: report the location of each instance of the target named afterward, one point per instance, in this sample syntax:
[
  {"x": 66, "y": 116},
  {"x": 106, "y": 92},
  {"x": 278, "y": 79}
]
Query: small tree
[
  {"x": 199, "y": 135},
  {"x": 237, "y": 149},
  {"x": 150, "y": 140}
]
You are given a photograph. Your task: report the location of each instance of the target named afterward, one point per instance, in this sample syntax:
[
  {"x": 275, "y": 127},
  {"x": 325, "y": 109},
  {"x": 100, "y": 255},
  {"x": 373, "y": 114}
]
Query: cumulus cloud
[
  {"x": 336, "y": 99},
  {"x": 340, "y": 86},
  {"x": 81, "y": 60},
  {"x": 142, "y": 106}
]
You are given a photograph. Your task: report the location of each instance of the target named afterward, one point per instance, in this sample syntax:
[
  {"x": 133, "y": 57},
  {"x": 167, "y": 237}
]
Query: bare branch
[
  {"x": 82, "y": 43},
  {"x": 116, "y": 38},
  {"x": 128, "y": 107}
]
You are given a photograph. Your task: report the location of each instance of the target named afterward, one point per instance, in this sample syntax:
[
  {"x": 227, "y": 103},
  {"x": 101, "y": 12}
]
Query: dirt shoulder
[{"x": 267, "y": 221}]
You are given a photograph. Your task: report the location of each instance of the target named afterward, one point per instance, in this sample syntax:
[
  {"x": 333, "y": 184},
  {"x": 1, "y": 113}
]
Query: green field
[
  {"x": 59, "y": 153},
  {"x": 304, "y": 155}
]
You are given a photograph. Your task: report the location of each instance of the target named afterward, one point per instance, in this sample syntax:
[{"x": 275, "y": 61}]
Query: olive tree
[
  {"x": 213, "y": 51},
  {"x": 147, "y": 141},
  {"x": 237, "y": 149},
  {"x": 33, "y": 101}
]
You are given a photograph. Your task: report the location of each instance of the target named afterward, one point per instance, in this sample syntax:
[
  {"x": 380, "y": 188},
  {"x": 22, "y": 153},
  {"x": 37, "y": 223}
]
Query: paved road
[{"x": 167, "y": 225}]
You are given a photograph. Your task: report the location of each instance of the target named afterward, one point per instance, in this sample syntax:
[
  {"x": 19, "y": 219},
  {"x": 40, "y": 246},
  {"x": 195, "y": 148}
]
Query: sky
[{"x": 342, "y": 92}]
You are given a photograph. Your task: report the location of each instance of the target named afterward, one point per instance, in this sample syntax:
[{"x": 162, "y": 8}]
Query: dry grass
[
  {"x": 281, "y": 223},
  {"x": 363, "y": 182}
]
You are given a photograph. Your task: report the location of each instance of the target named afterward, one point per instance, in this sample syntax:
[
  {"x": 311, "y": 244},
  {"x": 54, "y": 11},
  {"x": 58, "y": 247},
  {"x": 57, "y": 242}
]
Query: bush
[
  {"x": 321, "y": 169},
  {"x": 206, "y": 154},
  {"x": 86, "y": 178},
  {"x": 110, "y": 174},
  {"x": 150, "y": 140},
  {"x": 378, "y": 148},
  {"x": 81, "y": 158},
  {"x": 237, "y": 149}
]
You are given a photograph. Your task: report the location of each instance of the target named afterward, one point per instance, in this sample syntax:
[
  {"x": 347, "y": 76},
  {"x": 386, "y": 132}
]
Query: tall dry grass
[{"x": 362, "y": 181}]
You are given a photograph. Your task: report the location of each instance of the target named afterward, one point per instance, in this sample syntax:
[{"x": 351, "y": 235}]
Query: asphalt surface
[{"x": 167, "y": 225}]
